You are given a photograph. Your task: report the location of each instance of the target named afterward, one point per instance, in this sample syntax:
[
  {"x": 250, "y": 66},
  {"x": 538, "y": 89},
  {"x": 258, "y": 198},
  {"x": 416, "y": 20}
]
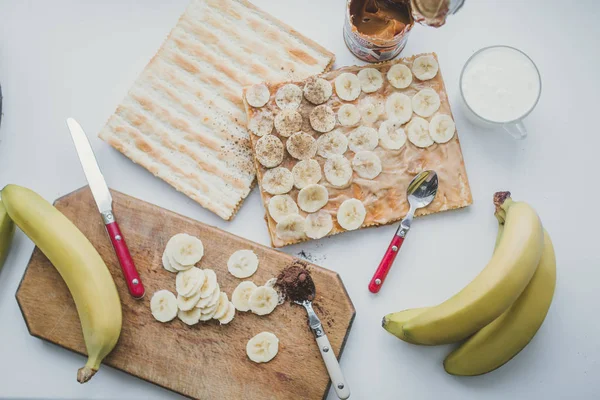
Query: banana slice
[
  {"x": 338, "y": 170},
  {"x": 258, "y": 95},
  {"x": 263, "y": 300},
  {"x": 281, "y": 206},
  {"x": 290, "y": 227},
  {"x": 288, "y": 97},
  {"x": 288, "y": 122},
  {"x": 222, "y": 306},
  {"x": 187, "y": 303},
  {"x": 399, "y": 76},
  {"x": 332, "y": 143},
  {"x": 278, "y": 181},
  {"x": 190, "y": 317},
  {"x": 163, "y": 306},
  {"x": 366, "y": 164},
  {"x": 210, "y": 283},
  {"x": 418, "y": 132},
  {"x": 228, "y": 315},
  {"x": 370, "y": 110},
  {"x": 322, "y": 118},
  {"x": 208, "y": 313},
  {"x": 347, "y": 86},
  {"x": 348, "y": 115},
  {"x": 166, "y": 263},
  {"x": 351, "y": 214},
  {"x": 318, "y": 225},
  {"x": 242, "y": 263},
  {"x": 301, "y": 146},
  {"x": 370, "y": 79},
  {"x": 269, "y": 151},
  {"x": 174, "y": 264},
  {"x": 313, "y": 197},
  {"x": 306, "y": 172},
  {"x": 425, "y": 67},
  {"x": 187, "y": 283},
  {"x": 210, "y": 300},
  {"x": 185, "y": 250},
  {"x": 391, "y": 135},
  {"x": 317, "y": 90},
  {"x": 241, "y": 295},
  {"x": 261, "y": 124},
  {"x": 441, "y": 128},
  {"x": 399, "y": 108},
  {"x": 363, "y": 138},
  {"x": 262, "y": 347},
  {"x": 426, "y": 102}
]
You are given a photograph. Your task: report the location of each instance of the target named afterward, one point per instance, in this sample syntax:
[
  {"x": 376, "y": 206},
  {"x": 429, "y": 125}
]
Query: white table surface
[{"x": 77, "y": 58}]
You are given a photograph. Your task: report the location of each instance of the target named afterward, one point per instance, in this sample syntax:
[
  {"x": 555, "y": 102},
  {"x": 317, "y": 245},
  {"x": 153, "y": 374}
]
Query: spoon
[
  {"x": 421, "y": 192},
  {"x": 329, "y": 358}
]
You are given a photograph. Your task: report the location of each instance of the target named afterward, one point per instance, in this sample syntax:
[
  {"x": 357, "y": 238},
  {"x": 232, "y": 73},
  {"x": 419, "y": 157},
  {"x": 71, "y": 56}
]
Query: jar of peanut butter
[{"x": 377, "y": 30}]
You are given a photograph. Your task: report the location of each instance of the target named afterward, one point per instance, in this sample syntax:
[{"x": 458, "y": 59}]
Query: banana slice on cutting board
[
  {"x": 399, "y": 76},
  {"x": 318, "y": 225},
  {"x": 258, "y": 95},
  {"x": 241, "y": 295},
  {"x": 313, "y": 197},
  {"x": 228, "y": 317},
  {"x": 290, "y": 227},
  {"x": 190, "y": 317},
  {"x": 317, "y": 90},
  {"x": 370, "y": 79},
  {"x": 425, "y": 67},
  {"x": 222, "y": 306},
  {"x": 348, "y": 115},
  {"x": 306, "y": 172},
  {"x": 163, "y": 306},
  {"x": 322, "y": 118},
  {"x": 261, "y": 123},
  {"x": 418, "y": 132},
  {"x": 399, "y": 108},
  {"x": 166, "y": 263},
  {"x": 278, "y": 181},
  {"x": 363, "y": 138},
  {"x": 187, "y": 283},
  {"x": 281, "y": 206},
  {"x": 210, "y": 300},
  {"x": 187, "y": 303},
  {"x": 207, "y": 313},
  {"x": 332, "y": 143},
  {"x": 288, "y": 97},
  {"x": 301, "y": 146},
  {"x": 210, "y": 283},
  {"x": 269, "y": 151},
  {"x": 263, "y": 300},
  {"x": 366, "y": 164},
  {"x": 288, "y": 122},
  {"x": 338, "y": 170},
  {"x": 185, "y": 250},
  {"x": 347, "y": 86},
  {"x": 441, "y": 128},
  {"x": 262, "y": 347},
  {"x": 242, "y": 263},
  {"x": 391, "y": 135},
  {"x": 351, "y": 214},
  {"x": 426, "y": 102}
]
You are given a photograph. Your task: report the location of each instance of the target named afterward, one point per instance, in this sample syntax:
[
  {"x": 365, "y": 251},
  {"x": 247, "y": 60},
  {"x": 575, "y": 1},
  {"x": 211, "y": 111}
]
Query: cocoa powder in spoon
[{"x": 296, "y": 283}]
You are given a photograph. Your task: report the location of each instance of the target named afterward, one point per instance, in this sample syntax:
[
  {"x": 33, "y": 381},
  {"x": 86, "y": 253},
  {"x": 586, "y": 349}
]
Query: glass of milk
[{"x": 500, "y": 86}]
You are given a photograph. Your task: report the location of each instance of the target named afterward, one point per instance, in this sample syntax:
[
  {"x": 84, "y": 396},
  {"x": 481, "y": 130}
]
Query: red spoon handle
[
  {"x": 385, "y": 264},
  {"x": 132, "y": 278}
]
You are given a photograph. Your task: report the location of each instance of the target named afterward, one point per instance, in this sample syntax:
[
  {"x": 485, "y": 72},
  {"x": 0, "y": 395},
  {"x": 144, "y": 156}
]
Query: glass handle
[{"x": 518, "y": 130}]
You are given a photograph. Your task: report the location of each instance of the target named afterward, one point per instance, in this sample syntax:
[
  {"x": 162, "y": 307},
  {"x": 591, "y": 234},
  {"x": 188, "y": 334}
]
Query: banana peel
[{"x": 7, "y": 231}]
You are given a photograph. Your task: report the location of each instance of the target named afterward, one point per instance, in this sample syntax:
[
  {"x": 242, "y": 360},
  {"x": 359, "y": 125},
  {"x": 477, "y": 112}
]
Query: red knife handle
[
  {"x": 385, "y": 264},
  {"x": 132, "y": 278}
]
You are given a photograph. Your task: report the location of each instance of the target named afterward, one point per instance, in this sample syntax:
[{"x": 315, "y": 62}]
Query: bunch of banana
[
  {"x": 501, "y": 309},
  {"x": 79, "y": 264},
  {"x": 7, "y": 229}
]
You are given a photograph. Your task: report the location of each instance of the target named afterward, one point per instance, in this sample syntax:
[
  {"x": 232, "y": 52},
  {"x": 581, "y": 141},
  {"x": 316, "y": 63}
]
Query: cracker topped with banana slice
[{"x": 337, "y": 151}]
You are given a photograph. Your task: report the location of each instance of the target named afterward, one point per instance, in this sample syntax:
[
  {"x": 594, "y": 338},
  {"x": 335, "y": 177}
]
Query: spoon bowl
[{"x": 422, "y": 189}]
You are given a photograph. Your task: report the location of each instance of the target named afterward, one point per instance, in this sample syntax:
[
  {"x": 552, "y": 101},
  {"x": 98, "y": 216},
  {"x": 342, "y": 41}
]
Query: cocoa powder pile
[{"x": 296, "y": 283}]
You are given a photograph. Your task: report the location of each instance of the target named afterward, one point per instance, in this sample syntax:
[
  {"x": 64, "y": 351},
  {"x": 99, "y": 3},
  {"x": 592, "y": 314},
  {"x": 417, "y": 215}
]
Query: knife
[{"x": 104, "y": 202}]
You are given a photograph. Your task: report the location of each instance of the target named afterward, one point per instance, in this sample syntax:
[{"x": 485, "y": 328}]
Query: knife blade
[{"x": 103, "y": 200}]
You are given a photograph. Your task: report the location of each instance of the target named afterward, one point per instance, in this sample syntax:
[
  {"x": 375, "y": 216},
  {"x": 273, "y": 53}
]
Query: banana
[
  {"x": 210, "y": 300},
  {"x": 163, "y": 306},
  {"x": 441, "y": 128},
  {"x": 222, "y": 306},
  {"x": 174, "y": 264},
  {"x": 262, "y": 347},
  {"x": 258, "y": 95},
  {"x": 188, "y": 283},
  {"x": 495, "y": 289},
  {"x": 399, "y": 76},
  {"x": 288, "y": 122},
  {"x": 391, "y": 135},
  {"x": 418, "y": 132},
  {"x": 166, "y": 263},
  {"x": 425, "y": 67},
  {"x": 338, "y": 170},
  {"x": 278, "y": 181},
  {"x": 185, "y": 249},
  {"x": 290, "y": 228},
  {"x": 370, "y": 80},
  {"x": 306, "y": 172},
  {"x": 281, "y": 206},
  {"x": 313, "y": 197},
  {"x": 501, "y": 340},
  {"x": 187, "y": 303},
  {"x": 228, "y": 317},
  {"x": 370, "y": 110},
  {"x": 394, "y": 322},
  {"x": 322, "y": 119},
  {"x": 366, "y": 164},
  {"x": 332, "y": 143},
  {"x": 288, "y": 97},
  {"x": 347, "y": 86},
  {"x": 261, "y": 124},
  {"x": 7, "y": 230},
  {"x": 80, "y": 266},
  {"x": 351, "y": 214},
  {"x": 210, "y": 283},
  {"x": 426, "y": 102},
  {"x": 242, "y": 263},
  {"x": 269, "y": 151},
  {"x": 317, "y": 90},
  {"x": 208, "y": 313},
  {"x": 241, "y": 295},
  {"x": 263, "y": 300},
  {"x": 348, "y": 115},
  {"x": 398, "y": 107},
  {"x": 363, "y": 138},
  {"x": 318, "y": 225},
  {"x": 301, "y": 146},
  {"x": 190, "y": 317}
]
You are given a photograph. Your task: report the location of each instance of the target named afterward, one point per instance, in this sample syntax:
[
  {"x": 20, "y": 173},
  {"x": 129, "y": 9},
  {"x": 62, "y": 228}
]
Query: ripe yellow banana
[
  {"x": 507, "y": 335},
  {"x": 79, "y": 264},
  {"x": 7, "y": 229},
  {"x": 495, "y": 289}
]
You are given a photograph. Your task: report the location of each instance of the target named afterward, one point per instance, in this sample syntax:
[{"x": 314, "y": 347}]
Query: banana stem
[{"x": 502, "y": 201}]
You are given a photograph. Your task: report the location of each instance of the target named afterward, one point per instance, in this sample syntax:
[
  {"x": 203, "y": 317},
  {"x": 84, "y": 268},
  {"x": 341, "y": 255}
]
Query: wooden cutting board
[{"x": 206, "y": 361}]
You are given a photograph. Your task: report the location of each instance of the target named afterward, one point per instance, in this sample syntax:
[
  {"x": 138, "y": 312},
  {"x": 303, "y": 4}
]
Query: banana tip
[
  {"x": 85, "y": 374},
  {"x": 500, "y": 198}
]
